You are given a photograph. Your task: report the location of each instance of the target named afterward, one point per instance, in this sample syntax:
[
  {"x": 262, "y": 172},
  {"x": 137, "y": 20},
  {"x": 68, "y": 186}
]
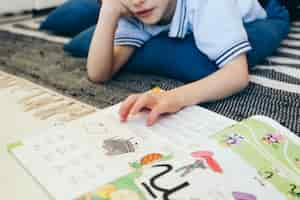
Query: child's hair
[{"x": 291, "y": 5}]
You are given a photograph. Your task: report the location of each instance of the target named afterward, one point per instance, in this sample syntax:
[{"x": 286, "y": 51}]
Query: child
[{"x": 218, "y": 30}]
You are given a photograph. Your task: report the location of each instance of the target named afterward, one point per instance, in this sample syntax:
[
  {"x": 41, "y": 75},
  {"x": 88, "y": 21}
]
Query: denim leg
[
  {"x": 181, "y": 59},
  {"x": 266, "y": 35}
]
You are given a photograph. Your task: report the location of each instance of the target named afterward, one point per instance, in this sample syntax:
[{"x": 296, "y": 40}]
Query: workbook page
[
  {"x": 71, "y": 159},
  {"x": 185, "y": 128}
]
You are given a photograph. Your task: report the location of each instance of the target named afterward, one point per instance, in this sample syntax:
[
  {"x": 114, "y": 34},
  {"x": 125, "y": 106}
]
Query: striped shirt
[{"x": 217, "y": 27}]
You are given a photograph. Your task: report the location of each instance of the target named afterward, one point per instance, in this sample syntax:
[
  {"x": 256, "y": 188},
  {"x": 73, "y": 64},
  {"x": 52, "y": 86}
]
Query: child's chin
[{"x": 150, "y": 21}]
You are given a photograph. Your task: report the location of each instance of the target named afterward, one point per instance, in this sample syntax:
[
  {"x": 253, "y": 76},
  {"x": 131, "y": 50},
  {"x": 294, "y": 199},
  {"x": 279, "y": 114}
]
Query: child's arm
[
  {"x": 230, "y": 79},
  {"x": 105, "y": 59}
]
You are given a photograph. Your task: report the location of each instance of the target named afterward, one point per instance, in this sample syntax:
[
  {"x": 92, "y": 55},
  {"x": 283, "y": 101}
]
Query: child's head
[{"x": 151, "y": 11}]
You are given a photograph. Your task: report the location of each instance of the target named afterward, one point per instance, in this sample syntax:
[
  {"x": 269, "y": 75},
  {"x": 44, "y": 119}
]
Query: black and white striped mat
[{"x": 274, "y": 89}]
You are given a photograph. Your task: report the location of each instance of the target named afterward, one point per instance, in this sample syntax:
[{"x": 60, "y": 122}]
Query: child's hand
[
  {"x": 117, "y": 6},
  {"x": 157, "y": 102}
]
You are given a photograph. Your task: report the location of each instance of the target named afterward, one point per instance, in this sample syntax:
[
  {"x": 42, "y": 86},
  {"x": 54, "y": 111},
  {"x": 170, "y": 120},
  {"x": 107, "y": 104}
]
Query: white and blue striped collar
[{"x": 179, "y": 24}]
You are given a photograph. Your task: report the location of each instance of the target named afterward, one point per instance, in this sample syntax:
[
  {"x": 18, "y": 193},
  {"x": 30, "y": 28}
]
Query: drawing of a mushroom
[{"x": 210, "y": 161}]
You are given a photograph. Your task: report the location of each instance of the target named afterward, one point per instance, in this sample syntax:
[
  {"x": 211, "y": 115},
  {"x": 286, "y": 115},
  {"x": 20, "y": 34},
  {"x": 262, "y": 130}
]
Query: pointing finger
[{"x": 127, "y": 106}]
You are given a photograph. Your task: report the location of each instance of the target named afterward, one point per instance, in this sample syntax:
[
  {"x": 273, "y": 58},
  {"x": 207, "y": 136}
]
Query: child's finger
[
  {"x": 154, "y": 115},
  {"x": 127, "y": 105},
  {"x": 142, "y": 102}
]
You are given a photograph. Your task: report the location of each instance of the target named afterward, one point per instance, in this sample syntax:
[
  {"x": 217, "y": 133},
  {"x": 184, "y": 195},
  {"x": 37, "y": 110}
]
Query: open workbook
[{"x": 192, "y": 155}]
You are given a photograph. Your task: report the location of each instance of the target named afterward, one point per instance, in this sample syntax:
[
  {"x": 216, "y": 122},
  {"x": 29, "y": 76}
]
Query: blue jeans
[{"x": 181, "y": 60}]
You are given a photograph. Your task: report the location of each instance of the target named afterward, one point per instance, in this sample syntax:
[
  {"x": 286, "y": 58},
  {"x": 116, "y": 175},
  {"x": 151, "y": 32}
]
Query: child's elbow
[
  {"x": 97, "y": 74},
  {"x": 93, "y": 78},
  {"x": 96, "y": 78},
  {"x": 245, "y": 81}
]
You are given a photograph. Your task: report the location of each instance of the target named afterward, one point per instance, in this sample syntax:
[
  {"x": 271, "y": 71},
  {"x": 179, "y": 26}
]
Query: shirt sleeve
[
  {"x": 219, "y": 31},
  {"x": 130, "y": 32}
]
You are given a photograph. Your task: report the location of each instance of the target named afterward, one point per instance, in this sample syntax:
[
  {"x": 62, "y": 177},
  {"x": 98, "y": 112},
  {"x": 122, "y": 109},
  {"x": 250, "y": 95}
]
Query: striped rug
[
  {"x": 29, "y": 25},
  {"x": 274, "y": 89}
]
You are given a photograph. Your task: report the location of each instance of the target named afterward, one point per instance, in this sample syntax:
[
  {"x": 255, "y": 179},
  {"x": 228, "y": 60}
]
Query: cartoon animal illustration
[
  {"x": 118, "y": 146},
  {"x": 273, "y": 138},
  {"x": 127, "y": 188},
  {"x": 234, "y": 139},
  {"x": 243, "y": 196},
  {"x": 149, "y": 159}
]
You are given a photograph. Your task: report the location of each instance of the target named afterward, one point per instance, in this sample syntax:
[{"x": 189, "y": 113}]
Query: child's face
[{"x": 152, "y": 11}]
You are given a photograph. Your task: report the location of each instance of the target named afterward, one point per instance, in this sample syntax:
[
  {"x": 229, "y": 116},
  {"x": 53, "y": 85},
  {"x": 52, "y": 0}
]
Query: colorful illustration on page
[
  {"x": 271, "y": 153},
  {"x": 135, "y": 187}
]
